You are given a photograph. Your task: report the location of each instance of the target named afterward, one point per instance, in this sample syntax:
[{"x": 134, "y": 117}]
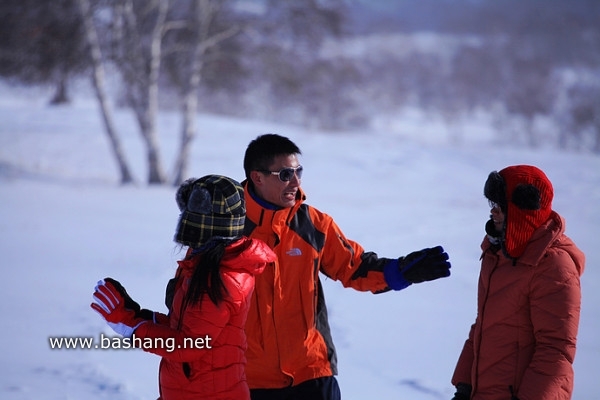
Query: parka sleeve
[
  {"x": 555, "y": 302},
  {"x": 346, "y": 261},
  {"x": 464, "y": 365}
]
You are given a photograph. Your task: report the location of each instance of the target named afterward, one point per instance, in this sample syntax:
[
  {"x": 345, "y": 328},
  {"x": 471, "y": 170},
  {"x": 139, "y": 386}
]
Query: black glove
[
  {"x": 129, "y": 302},
  {"x": 463, "y": 392},
  {"x": 425, "y": 265},
  {"x": 419, "y": 266}
]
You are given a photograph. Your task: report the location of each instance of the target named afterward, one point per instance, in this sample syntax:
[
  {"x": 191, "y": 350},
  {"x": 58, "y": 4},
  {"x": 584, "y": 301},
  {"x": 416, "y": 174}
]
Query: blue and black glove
[{"x": 419, "y": 266}]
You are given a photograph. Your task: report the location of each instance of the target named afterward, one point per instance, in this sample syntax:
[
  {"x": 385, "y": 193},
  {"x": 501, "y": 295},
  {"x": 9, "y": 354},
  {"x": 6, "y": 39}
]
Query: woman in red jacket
[
  {"x": 522, "y": 343},
  {"x": 202, "y": 340}
]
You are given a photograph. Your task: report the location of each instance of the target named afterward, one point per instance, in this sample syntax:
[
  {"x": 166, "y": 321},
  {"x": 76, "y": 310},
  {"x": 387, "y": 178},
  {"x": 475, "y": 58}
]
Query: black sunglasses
[{"x": 285, "y": 174}]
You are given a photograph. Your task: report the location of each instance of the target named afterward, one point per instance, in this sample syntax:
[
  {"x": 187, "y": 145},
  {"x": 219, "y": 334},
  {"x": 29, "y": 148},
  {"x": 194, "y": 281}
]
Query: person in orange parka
[
  {"x": 522, "y": 344},
  {"x": 291, "y": 354},
  {"x": 202, "y": 340}
]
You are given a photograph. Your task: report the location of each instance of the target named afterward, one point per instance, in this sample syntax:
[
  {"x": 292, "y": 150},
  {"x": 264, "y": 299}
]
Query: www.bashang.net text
[{"x": 104, "y": 342}]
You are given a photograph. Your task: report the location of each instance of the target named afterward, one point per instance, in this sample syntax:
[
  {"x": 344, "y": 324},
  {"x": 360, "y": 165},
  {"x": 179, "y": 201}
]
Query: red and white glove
[{"x": 110, "y": 304}]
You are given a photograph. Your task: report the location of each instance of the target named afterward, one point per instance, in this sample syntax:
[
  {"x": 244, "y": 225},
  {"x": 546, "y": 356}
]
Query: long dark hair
[{"x": 206, "y": 278}]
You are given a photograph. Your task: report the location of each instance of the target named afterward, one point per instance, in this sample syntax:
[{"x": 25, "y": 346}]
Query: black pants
[{"x": 325, "y": 388}]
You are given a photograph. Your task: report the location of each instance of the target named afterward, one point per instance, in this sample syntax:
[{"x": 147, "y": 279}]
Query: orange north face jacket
[{"x": 289, "y": 339}]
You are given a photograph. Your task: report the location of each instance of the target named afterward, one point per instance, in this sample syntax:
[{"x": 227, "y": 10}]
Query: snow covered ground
[{"x": 66, "y": 223}]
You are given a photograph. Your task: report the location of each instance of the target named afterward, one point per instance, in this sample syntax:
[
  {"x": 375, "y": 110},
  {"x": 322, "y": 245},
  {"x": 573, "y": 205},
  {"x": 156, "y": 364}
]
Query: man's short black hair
[{"x": 261, "y": 152}]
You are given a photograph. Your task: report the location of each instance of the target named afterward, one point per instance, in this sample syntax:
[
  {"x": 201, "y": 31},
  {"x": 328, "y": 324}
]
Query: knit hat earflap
[
  {"x": 526, "y": 201},
  {"x": 211, "y": 207}
]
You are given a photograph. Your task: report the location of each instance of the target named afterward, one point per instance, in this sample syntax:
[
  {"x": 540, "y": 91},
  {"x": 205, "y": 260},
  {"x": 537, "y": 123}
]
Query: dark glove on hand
[
  {"x": 129, "y": 303},
  {"x": 463, "y": 392},
  {"x": 425, "y": 265},
  {"x": 419, "y": 266}
]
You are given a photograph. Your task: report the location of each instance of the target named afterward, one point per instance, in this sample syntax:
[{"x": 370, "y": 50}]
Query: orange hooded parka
[{"x": 289, "y": 339}]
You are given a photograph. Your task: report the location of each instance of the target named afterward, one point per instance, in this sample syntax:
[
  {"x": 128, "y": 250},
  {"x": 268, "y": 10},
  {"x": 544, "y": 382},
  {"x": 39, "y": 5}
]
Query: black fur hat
[{"x": 495, "y": 189}]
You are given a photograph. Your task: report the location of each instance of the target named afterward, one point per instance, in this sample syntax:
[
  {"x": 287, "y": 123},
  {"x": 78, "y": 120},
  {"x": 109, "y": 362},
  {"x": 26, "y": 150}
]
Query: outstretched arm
[{"x": 346, "y": 261}]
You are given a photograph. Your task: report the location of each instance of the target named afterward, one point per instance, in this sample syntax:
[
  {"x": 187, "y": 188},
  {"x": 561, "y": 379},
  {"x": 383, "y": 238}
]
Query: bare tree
[
  {"x": 41, "y": 43},
  {"x": 584, "y": 110},
  {"x": 99, "y": 86},
  {"x": 139, "y": 58},
  {"x": 201, "y": 21},
  {"x": 288, "y": 51}
]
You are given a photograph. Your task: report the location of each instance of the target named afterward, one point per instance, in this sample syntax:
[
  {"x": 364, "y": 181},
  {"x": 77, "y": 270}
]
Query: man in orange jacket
[{"x": 290, "y": 349}]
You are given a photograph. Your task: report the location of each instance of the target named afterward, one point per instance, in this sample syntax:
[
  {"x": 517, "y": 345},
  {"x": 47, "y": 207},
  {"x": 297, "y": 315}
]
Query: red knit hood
[{"x": 529, "y": 195}]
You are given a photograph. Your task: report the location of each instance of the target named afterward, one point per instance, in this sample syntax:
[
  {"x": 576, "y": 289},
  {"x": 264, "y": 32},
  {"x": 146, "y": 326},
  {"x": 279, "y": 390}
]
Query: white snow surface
[{"x": 66, "y": 223}]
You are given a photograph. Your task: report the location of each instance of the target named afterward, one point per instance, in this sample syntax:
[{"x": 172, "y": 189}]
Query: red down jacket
[
  {"x": 525, "y": 333},
  {"x": 217, "y": 372}
]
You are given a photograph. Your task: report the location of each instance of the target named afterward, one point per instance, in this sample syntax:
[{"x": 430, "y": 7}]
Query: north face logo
[{"x": 294, "y": 252}]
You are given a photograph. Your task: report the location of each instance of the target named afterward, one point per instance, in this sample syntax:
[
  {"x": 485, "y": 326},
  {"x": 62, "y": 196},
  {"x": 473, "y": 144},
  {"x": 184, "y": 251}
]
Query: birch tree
[
  {"x": 142, "y": 26},
  {"x": 98, "y": 81},
  {"x": 201, "y": 22}
]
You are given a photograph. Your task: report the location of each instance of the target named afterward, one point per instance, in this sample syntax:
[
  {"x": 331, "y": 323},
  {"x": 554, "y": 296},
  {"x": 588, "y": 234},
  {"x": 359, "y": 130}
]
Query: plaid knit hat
[
  {"x": 211, "y": 207},
  {"x": 524, "y": 193}
]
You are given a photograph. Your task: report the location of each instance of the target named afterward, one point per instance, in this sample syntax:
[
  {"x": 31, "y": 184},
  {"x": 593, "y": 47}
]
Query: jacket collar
[
  {"x": 245, "y": 254},
  {"x": 261, "y": 212},
  {"x": 540, "y": 241}
]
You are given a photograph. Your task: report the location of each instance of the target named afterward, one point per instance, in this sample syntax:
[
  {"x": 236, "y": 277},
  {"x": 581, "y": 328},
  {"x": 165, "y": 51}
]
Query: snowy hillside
[{"x": 66, "y": 223}]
